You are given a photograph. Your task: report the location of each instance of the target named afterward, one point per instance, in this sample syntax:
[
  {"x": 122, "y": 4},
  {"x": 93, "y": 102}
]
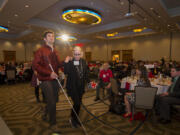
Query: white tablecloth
[{"x": 161, "y": 88}]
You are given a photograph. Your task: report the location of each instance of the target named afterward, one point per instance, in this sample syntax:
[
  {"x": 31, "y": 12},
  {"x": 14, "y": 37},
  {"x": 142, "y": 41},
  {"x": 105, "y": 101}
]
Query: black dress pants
[
  {"x": 37, "y": 93},
  {"x": 164, "y": 104},
  {"x": 101, "y": 84},
  {"x": 50, "y": 90},
  {"x": 77, "y": 100}
]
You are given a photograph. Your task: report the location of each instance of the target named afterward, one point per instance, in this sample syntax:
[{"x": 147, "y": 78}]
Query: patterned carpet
[{"x": 22, "y": 115}]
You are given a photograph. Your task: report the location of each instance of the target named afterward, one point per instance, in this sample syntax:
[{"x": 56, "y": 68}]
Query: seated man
[
  {"x": 172, "y": 97},
  {"x": 104, "y": 76}
]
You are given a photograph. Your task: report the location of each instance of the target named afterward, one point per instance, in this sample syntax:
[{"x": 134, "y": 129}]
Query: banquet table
[{"x": 162, "y": 84}]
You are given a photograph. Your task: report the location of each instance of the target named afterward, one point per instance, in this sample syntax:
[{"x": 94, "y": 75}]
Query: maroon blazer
[{"x": 43, "y": 57}]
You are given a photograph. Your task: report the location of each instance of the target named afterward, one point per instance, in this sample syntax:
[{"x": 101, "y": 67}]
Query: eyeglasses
[{"x": 77, "y": 54}]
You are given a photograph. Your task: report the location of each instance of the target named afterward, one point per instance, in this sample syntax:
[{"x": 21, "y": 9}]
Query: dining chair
[
  {"x": 11, "y": 75},
  {"x": 144, "y": 98}
]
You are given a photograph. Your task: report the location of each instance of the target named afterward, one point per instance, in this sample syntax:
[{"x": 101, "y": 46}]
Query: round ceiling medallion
[
  {"x": 3, "y": 29},
  {"x": 81, "y": 16}
]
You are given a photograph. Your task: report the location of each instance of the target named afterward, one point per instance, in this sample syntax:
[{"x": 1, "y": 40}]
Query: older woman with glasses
[{"x": 76, "y": 71}]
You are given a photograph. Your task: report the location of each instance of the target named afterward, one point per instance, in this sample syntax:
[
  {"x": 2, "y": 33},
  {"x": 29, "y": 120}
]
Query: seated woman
[{"x": 142, "y": 80}]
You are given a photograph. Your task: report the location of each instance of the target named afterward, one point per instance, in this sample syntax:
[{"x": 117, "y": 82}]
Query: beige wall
[
  {"x": 144, "y": 48},
  {"x": 63, "y": 50},
  {"x": 151, "y": 48},
  {"x": 27, "y": 49},
  {"x": 176, "y": 47},
  {"x": 12, "y": 46}
]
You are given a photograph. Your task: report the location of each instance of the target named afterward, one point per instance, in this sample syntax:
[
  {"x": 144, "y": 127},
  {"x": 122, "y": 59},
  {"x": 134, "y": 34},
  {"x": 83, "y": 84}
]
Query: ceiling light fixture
[
  {"x": 129, "y": 11},
  {"x": 66, "y": 38},
  {"x": 81, "y": 16},
  {"x": 3, "y": 29},
  {"x": 139, "y": 30},
  {"x": 112, "y": 34},
  {"x": 26, "y": 6},
  {"x": 122, "y": 3},
  {"x": 16, "y": 15}
]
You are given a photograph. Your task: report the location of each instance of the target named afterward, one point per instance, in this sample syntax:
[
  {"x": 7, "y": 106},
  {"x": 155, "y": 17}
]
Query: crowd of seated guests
[
  {"x": 23, "y": 71},
  {"x": 144, "y": 70}
]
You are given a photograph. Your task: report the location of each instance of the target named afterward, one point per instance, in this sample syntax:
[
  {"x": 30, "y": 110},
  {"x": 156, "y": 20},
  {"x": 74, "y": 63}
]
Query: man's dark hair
[{"x": 47, "y": 32}]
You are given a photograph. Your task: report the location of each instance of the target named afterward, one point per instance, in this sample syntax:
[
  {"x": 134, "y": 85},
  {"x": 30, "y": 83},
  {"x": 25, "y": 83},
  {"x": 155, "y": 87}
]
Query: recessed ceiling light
[
  {"x": 92, "y": 3},
  {"x": 122, "y": 3},
  {"x": 111, "y": 34},
  {"x": 26, "y": 6},
  {"x": 139, "y": 30},
  {"x": 16, "y": 15},
  {"x": 152, "y": 8},
  {"x": 159, "y": 16},
  {"x": 129, "y": 14}
]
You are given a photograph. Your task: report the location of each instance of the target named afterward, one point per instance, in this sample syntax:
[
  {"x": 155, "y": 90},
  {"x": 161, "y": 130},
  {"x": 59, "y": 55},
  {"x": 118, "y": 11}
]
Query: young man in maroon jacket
[{"x": 44, "y": 57}]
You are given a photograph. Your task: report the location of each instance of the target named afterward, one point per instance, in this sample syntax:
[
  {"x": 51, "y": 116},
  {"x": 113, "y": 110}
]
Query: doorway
[
  {"x": 127, "y": 55},
  {"x": 115, "y": 55},
  {"x": 9, "y": 56},
  {"x": 88, "y": 56}
]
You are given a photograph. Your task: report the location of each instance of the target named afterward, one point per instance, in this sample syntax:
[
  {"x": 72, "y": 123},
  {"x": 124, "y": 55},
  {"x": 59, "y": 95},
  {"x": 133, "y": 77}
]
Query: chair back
[
  {"x": 145, "y": 97},
  {"x": 114, "y": 86},
  {"x": 10, "y": 74}
]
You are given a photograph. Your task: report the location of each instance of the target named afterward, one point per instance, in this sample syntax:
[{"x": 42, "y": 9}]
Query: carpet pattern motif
[{"x": 22, "y": 115}]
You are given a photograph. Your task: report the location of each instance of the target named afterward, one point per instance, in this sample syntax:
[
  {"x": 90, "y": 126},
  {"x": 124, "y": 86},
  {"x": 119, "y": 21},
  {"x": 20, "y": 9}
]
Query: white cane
[{"x": 69, "y": 102}]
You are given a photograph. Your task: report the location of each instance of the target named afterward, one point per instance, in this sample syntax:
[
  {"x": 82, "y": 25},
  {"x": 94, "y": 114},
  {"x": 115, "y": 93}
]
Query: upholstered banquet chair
[{"x": 144, "y": 98}]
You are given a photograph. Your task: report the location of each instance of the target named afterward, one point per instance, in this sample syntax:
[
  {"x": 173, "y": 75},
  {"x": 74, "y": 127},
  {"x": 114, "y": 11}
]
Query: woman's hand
[{"x": 68, "y": 58}]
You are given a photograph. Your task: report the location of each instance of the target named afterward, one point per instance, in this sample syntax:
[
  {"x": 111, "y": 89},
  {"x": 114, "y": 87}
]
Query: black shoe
[
  {"x": 96, "y": 99},
  {"x": 55, "y": 129},
  {"x": 45, "y": 117},
  {"x": 38, "y": 100},
  {"x": 78, "y": 123},
  {"x": 73, "y": 123},
  {"x": 111, "y": 110}
]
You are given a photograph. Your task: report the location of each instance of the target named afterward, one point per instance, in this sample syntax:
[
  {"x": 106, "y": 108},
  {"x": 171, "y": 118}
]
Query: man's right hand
[
  {"x": 68, "y": 58},
  {"x": 53, "y": 75}
]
